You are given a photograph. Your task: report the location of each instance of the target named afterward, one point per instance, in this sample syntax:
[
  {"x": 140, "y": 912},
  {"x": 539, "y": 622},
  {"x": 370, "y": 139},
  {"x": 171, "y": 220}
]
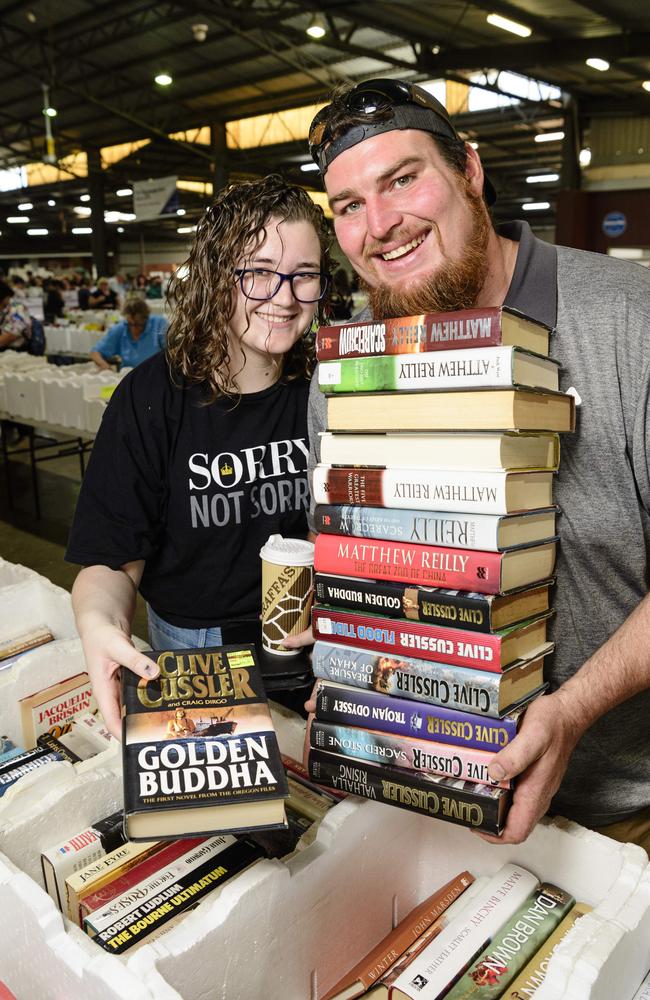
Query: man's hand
[{"x": 539, "y": 754}]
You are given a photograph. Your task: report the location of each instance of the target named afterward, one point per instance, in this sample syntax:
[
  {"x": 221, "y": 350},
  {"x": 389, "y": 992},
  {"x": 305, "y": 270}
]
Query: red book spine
[
  {"x": 404, "y": 637},
  {"x": 429, "y": 565},
  {"x": 410, "y": 334}
]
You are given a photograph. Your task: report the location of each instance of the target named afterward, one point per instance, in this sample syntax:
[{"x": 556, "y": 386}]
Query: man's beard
[{"x": 456, "y": 285}]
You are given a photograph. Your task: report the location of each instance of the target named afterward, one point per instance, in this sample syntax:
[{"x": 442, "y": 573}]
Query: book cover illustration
[{"x": 200, "y": 735}]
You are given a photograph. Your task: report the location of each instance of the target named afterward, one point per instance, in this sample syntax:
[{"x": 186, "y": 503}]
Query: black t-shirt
[{"x": 194, "y": 490}]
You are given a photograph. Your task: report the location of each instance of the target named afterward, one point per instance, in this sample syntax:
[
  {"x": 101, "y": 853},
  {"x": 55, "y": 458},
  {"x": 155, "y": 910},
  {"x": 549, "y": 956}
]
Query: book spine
[
  {"x": 476, "y": 806},
  {"x": 411, "y": 334},
  {"x": 69, "y": 856},
  {"x": 14, "y": 774},
  {"x": 458, "y": 369},
  {"x": 309, "y": 803},
  {"x": 514, "y": 944},
  {"x": 532, "y": 975},
  {"x": 398, "y": 600},
  {"x": 300, "y": 774},
  {"x": 407, "y": 563},
  {"x": 403, "y": 751},
  {"x": 182, "y": 893},
  {"x": 50, "y": 742},
  {"x": 460, "y": 531},
  {"x": 404, "y": 637},
  {"x": 461, "y": 688},
  {"x": 95, "y": 876},
  {"x": 459, "y": 490},
  {"x": 355, "y": 707}
]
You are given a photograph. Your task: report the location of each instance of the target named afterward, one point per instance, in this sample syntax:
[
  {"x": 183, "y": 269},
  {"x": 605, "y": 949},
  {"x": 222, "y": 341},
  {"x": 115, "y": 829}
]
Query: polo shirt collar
[{"x": 533, "y": 289}]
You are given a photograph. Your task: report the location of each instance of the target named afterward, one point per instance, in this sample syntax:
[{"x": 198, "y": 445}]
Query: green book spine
[{"x": 490, "y": 974}]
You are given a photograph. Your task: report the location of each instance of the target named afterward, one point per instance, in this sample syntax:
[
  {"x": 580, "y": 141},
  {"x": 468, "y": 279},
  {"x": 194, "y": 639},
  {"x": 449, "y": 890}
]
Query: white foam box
[
  {"x": 287, "y": 930},
  {"x": 12, "y": 573}
]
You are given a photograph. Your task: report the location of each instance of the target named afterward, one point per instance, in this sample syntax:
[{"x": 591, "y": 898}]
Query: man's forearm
[{"x": 101, "y": 595}]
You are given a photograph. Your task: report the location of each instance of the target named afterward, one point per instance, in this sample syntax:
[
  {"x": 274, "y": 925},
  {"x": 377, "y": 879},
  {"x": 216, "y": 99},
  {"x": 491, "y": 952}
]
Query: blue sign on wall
[{"x": 614, "y": 224}]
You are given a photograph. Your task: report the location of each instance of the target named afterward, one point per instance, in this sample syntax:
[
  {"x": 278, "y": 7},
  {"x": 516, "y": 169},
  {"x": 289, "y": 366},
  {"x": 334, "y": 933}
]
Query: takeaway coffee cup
[{"x": 287, "y": 589}]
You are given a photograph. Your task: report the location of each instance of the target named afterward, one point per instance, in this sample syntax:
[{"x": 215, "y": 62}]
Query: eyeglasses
[{"x": 259, "y": 284}]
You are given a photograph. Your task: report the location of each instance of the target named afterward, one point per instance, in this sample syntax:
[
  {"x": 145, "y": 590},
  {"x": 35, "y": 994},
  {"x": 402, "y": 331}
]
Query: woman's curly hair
[{"x": 202, "y": 301}]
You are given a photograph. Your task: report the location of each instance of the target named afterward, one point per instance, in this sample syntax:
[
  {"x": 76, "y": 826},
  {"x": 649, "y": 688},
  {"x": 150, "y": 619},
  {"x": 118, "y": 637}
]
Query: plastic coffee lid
[{"x": 288, "y": 551}]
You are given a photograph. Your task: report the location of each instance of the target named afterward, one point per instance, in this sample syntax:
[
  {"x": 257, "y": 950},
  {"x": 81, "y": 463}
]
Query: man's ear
[{"x": 474, "y": 170}]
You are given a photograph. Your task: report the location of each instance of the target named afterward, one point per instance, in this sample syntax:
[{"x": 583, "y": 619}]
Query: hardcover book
[
  {"x": 432, "y": 565},
  {"x": 458, "y": 369},
  {"x": 493, "y": 652},
  {"x": 76, "y": 852},
  {"x": 391, "y": 947},
  {"x": 433, "y": 332},
  {"x": 200, "y": 752},
  {"x": 11, "y": 649},
  {"x": 17, "y": 767},
  {"x": 480, "y": 807},
  {"x": 103, "y": 870},
  {"x": 472, "y": 611},
  {"x": 489, "y": 532},
  {"x": 428, "y": 450},
  {"x": 532, "y": 976},
  {"x": 350, "y": 706},
  {"x": 408, "y": 752},
  {"x": 460, "y": 409},
  {"x": 474, "y": 492},
  {"x": 52, "y": 708},
  {"x": 460, "y": 688}
]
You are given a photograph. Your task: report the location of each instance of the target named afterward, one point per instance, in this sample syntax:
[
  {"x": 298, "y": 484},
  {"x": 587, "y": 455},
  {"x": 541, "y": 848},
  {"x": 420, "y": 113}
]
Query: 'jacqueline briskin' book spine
[{"x": 355, "y": 707}]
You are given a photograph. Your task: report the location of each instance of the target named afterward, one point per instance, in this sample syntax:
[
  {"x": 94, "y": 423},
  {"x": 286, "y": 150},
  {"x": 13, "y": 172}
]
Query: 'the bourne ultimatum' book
[{"x": 199, "y": 749}]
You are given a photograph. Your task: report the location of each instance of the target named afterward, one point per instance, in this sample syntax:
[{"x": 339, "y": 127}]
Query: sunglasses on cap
[{"x": 385, "y": 105}]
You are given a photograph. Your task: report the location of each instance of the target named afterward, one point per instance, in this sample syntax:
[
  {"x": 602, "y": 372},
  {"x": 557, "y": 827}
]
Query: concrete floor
[{"x": 40, "y": 543}]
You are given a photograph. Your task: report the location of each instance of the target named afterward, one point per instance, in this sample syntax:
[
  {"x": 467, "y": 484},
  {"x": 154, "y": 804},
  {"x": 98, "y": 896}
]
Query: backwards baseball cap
[{"x": 380, "y": 106}]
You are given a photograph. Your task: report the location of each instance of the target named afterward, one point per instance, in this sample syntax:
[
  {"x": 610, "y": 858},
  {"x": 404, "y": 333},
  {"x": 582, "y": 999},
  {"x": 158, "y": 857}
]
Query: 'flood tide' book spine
[
  {"x": 351, "y": 706},
  {"x": 481, "y": 807}
]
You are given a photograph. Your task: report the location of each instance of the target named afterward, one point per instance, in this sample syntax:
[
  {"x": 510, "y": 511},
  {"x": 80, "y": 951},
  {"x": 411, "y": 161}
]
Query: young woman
[{"x": 202, "y": 452}]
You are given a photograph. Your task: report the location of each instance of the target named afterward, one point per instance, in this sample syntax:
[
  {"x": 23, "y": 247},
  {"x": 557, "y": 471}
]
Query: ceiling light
[
  {"x": 84, "y": 197},
  {"x": 646, "y": 84},
  {"x": 123, "y": 192},
  {"x": 536, "y": 206},
  {"x": 127, "y": 216},
  {"x": 163, "y": 79},
  {"x": 308, "y": 167},
  {"x": 599, "y": 64},
  {"x": 317, "y": 27},
  {"x": 50, "y": 111},
  {"x": 37, "y": 232},
  {"x": 507, "y": 25},
  {"x": 542, "y": 178},
  {"x": 120, "y": 229},
  {"x": 180, "y": 211},
  {"x": 473, "y": 144},
  {"x": 186, "y": 229},
  {"x": 81, "y": 230},
  {"x": 17, "y": 218},
  {"x": 82, "y": 210},
  {"x": 584, "y": 157},
  {"x": 26, "y": 206},
  {"x": 549, "y": 136},
  {"x": 52, "y": 203}
]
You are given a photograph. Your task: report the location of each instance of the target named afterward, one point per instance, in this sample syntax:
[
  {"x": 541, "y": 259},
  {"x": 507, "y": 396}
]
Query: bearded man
[{"x": 410, "y": 200}]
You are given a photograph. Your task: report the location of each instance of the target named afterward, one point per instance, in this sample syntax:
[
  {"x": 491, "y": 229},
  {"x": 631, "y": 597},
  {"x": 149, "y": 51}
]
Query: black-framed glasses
[{"x": 260, "y": 283}]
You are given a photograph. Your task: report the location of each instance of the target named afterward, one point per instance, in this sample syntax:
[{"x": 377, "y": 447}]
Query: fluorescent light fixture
[
  {"x": 37, "y": 232},
  {"x": 646, "y": 84},
  {"x": 81, "y": 230},
  {"x": 26, "y": 206},
  {"x": 84, "y": 197},
  {"x": 308, "y": 167},
  {"x": 163, "y": 79},
  {"x": 185, "y": 229},
  {"x": 549, "y": 136},
  {"x": 51, "y": 202},
  {"x": 542, "y": 178},
  {"x": 600, "y": 64},
  {"x": 50, "y": 111},
  {"x": 127, "y": 216},
  {"x": 536, "y": 206},
  {"x": 82, "y": 211},
  {"x": 584, "y": 157},
  {"x": 627, "y": 253},
  {"x": 17, "y": 218},
  {"x": 507, "y": 25},
  {"x": 123, "y": 192},
  {"x": 180, "y": 211},
  {"x": 317, "y": 27}
]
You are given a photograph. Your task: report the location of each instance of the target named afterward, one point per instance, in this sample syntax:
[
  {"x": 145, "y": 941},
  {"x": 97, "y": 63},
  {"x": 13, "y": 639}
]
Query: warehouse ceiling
[{"x": 233, "y": 59}]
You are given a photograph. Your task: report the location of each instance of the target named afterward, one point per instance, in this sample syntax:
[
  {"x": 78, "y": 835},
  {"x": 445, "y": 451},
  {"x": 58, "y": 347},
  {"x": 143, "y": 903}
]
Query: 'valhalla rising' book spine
[
  {"x": 389, "y": 714},
  {"x": 388, "y": 635},
  {"x": 414, "y": 564},
  {"x": 482, "y": 807},
  {"x": 420, "y": 756},
  {"x": 411, "y": 334}
]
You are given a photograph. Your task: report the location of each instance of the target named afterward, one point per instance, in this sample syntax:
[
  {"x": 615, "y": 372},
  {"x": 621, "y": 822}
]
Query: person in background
[
  {"x": 103, "y": 297},
  {"x": 341, "y": 298},
  {"x": 134, "y": 339},
  {"x": 118, "y": 285},
  {"x": 15, "y": 322},
  {"x": 154, "y": 289},
  {"x": 19, "y": 286},
  {"x": 53, "y": 305},
  {"x": 202, "y": 451},
  {"x": 83, "y": 293}
]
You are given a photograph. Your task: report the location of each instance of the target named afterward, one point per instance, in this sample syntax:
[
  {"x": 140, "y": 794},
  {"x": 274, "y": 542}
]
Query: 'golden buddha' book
[{"x": 199, "y": 748}]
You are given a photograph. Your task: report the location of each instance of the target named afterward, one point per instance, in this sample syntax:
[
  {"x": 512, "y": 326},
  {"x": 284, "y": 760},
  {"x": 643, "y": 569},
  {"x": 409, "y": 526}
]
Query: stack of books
[{"x": 435, "y": 554}]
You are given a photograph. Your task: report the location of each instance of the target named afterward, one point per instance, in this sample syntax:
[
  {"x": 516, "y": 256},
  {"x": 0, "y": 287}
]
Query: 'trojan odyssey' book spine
[
  {"x": 401, "y": 636},
  {"x": 480, "y": 807},
  {"x": 389, "y": 714},
  {"x": 471, "y": 611},
  {"x": 414, "y": 564},
  {"x": 411, "y": 334},
  {"x": 419, "y": 756}
]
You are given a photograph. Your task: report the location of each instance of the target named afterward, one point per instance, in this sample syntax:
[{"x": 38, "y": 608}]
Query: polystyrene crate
[
  {"x": 35, "y": 601},
  {"x": 13, "y": 573}
]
